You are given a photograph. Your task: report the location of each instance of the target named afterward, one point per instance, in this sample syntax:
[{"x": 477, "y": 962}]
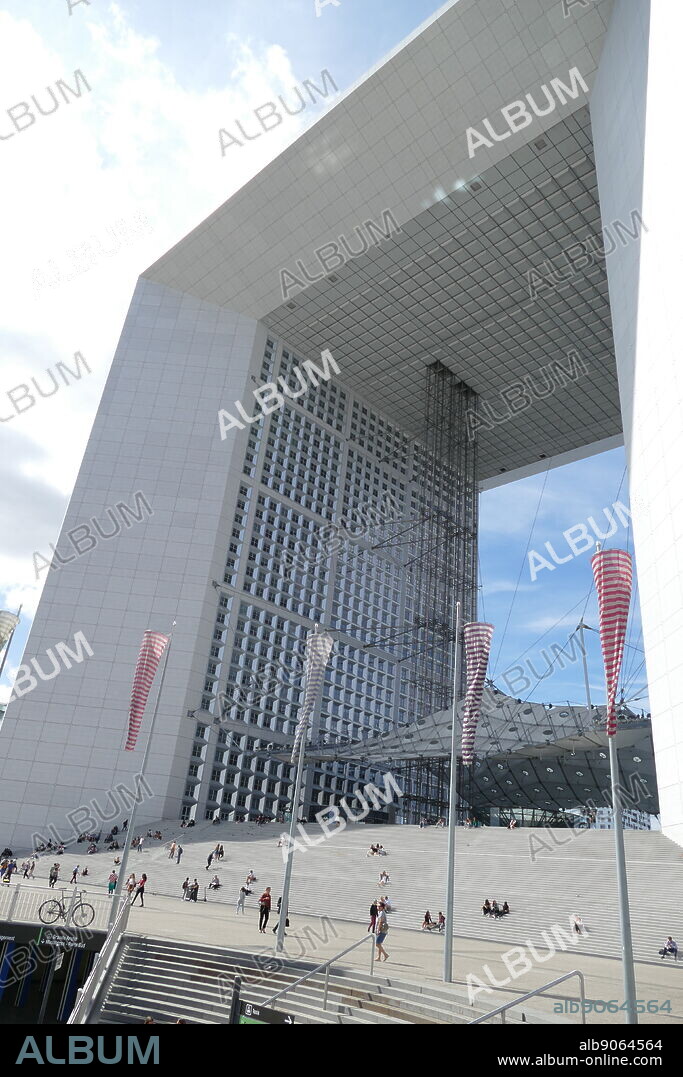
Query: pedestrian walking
[
  {"x": 140, "y": 844},
  {"x": 264, "y": 910},
  {"x": 113, "y": 879},
  {"x": 279, "y": 914},
  {"x": 140, "y": 892},
  {"x": 31, "y": 868},
  {"x": 382, "y": 930},
  {"x": 194, "y": 891},
  {"x": 130, "y": 884},
  {"x": 172, "y": 852},
  {"x": 74, "y": 875},
  {"x": 209, "y": 859},
  {"x": 185, "y": 888},
  {"x": 54, "y": 874},
  {"x": 373, "y": 916},
  {"x": 179, "y": 853},
  {"x": 243, "y": 894}
]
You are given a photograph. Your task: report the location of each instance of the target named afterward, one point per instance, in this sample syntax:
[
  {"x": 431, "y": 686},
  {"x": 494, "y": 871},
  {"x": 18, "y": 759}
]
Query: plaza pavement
[{"x": 418, "y": 957}]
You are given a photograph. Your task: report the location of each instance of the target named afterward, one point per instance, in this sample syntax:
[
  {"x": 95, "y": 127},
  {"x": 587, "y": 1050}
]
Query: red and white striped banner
[
  {"x": 477, "y": 636},
  {"x": 8, "y": 622},
  {"x": 318, "y": 649},
  {"x": 153, "y": 646},
  {"x": 613, "y": 574}
]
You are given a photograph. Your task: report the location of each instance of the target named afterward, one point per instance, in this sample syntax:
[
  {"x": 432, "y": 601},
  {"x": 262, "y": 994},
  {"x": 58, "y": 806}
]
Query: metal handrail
[
  {"x": 537, "y": 991},
  {"x": 90, "y": 990},
  {"x": 326, "y": 965}
]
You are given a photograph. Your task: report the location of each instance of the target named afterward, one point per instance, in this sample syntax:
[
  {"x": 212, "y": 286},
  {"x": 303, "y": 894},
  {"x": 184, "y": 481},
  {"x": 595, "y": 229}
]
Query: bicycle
[{"x": 82, "y": 913}]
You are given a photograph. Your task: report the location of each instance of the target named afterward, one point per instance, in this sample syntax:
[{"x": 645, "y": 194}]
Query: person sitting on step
[{"x": 670, "y": 947}]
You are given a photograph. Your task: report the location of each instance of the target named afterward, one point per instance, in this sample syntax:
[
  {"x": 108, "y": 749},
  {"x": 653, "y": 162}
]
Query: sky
[{"x": 99, "y": 188}]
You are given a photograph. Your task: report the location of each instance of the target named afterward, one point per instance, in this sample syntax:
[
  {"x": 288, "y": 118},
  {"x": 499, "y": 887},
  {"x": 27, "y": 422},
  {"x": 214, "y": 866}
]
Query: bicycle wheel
[
  {"x": 50, "y": 911},
  {"x": 83, "y": 914}
]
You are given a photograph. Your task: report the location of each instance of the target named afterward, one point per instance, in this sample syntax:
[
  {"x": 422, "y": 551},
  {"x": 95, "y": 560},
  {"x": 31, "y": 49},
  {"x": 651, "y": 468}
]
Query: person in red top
[
  {"x": 264, "y": 910},
  {"x": 140, "y": 892}
]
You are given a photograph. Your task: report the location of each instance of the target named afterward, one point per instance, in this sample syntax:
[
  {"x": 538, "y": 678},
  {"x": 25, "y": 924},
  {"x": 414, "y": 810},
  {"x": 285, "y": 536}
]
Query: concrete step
[
  {"x": 165, "y": 980},
  {"x": 561, "y": 875}
]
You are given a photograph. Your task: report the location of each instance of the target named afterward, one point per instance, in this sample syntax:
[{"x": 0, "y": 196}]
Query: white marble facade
[
  {"x": 637, "y": 152},
  {"x": 156, "y": 432}
]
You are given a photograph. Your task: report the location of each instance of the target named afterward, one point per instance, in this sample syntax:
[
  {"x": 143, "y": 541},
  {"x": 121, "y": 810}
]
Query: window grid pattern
[
  {"x": 366, "y": 483},
  {"x": 305, "y": 477},
  {"x": 379, "y": 437},
  {"x": 302, "y": 462},
  {"x": 277, "y": 533},
  {"x": 326, "y": 402}
]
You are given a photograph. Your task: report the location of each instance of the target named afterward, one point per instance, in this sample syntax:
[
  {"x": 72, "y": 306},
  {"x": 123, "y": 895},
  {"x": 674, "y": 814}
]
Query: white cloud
[
  {"x": 139, "y": 146},
  {"x": 543, "y": 624},
  {"x": 505, "y": 587}
]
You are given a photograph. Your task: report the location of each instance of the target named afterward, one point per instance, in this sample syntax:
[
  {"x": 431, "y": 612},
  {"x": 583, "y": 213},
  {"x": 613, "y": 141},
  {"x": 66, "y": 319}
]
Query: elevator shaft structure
[{"x": 443, "y": 569}]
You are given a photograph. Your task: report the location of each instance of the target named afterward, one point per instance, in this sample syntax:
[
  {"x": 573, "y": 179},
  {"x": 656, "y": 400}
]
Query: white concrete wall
[
  {"x": 178, "y": 361},
  {"x": 635, "y": 110}
]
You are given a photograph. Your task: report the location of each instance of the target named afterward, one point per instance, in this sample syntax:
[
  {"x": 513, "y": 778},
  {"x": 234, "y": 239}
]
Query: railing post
[
  {"x": 235, "y": 1001},
  {"x": 327, "y": 983},
  {"x": 14, "y": 899},
  {"x": 531, "y": 994},
  {"x": 71, "y": 908},
  {"x": 582, "y": 996},
  {"x": 125, "y": 917},
  {"x": 319, "y": 968},
  {"x": 89, "y": 992}
]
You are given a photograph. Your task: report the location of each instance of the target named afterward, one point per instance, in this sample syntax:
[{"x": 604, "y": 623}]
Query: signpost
[{"x": 259, "y": 1015}]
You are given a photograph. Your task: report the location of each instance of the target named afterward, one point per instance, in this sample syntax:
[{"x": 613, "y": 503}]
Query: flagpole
[
  {"x": 580, "y": 628},
  {"x": 628, "y": 970},
  {"x": 622, "y": 887},
  {"x": 452, "y": 813},
  {"x": 313, "y": 680},
  {"x": 289, "y": 863},
  {"x": 131, "y": 820}
]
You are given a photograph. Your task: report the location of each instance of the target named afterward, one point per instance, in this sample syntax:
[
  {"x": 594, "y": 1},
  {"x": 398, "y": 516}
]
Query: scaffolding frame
[{"x": 442, "y": 571}]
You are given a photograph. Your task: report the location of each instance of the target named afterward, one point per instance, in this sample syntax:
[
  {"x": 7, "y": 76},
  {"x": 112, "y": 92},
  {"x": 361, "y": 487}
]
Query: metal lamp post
[
  {"x": 611, "y": 620},
  {"x": 118, "y": 892},
  {"x": 287, "y": 878},
  {"x": 319, "y": 647},
  {"x": 452, "y": 814}
]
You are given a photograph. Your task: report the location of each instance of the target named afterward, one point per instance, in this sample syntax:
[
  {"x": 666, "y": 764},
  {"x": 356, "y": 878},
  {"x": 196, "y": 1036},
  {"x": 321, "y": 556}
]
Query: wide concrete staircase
[
  {"x": 167, "y": 980},
  {"x": 546, "y": 876}
]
